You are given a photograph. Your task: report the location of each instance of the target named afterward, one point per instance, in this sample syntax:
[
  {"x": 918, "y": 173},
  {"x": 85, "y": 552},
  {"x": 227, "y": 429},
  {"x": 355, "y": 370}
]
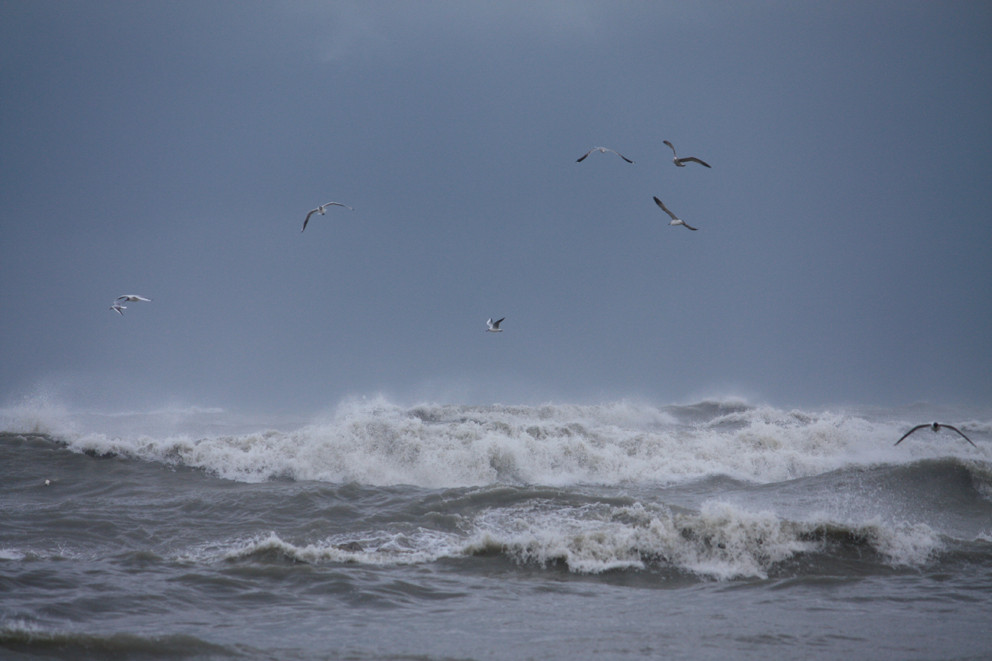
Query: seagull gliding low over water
[{"x": 935, "y": 426}]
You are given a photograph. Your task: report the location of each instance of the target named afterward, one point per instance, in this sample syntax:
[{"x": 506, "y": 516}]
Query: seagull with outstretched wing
[
  {"x": 935, "y": 426},
  {"x": 675, "y": 219},
  {"x": 321, "y": 210},
  {"x": 680, "y": 162},
  {"x": 602, "y": 150}
]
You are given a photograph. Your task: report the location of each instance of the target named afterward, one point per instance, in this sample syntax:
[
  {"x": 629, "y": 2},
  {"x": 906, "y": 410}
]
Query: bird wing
[
  {"x": 665, "y": 209},
  {"x": 497, "y": 323},
  {"x": 960, "y": 432},
  {"x": 604, "y": 150},
  {"x": 910, "y": 432},
  {"x": 688, "y": 226},
  {"x": 695, "y": 160},
  {"x": 337, "y": 204},
  {"x": 307, "y": 219},
  {"x": 672, "y": 147}
]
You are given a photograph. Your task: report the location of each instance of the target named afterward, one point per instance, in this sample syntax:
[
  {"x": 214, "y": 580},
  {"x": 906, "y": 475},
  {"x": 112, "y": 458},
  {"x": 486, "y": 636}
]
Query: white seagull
[
  {"x": 675, "y": 219},
  {"x": 602, "y": 150},
  {"x": 493, "y": 326},
  {"x": 680, "y": 162},
  {"x": 935, "y": 426},
  {"x": 321, "y": 209},
  {"x": 118, "y": 308},
  {"x": 132, "y": 298}
]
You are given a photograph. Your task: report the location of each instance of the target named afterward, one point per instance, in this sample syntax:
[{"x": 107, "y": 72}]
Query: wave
[
  {"x": 720, "y": 541},
  {"x": 721, "y": 538},
  {"x": 25, "y": 637},
  {"x": 377, "y": 442}
]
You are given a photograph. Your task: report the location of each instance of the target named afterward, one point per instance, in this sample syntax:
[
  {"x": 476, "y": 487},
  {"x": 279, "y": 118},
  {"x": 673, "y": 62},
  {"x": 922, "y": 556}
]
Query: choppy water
[{"x": 626, "y": 530}]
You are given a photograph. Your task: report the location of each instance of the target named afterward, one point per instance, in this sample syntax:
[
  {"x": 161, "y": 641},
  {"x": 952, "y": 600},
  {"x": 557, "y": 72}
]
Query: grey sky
[{"x": 844, "y": 251}]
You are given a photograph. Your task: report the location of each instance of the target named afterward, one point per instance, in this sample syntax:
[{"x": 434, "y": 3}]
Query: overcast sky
[{"x": 172, "y": 149}]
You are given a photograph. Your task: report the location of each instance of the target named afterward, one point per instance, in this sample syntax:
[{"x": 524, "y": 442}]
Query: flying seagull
[
  {"x": 118, "y": 308},
  {"x": 680, "y": 162},
  {"x": 493, "y": 326},
  {"x": 321, "y": 209},
  {"x": 132, "y": 298},
  {"x": 602, "y": 150},
  {"x": 675, "y": 219},
  {"x": 935, "y": 426}
]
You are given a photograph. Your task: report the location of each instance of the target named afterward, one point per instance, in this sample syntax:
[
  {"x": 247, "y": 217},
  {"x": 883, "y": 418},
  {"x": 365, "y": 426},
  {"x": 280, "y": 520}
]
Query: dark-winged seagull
[
  {"x": 118, "y": 308},
  {"x": 935, "y": 426},
  {"x": 133, "y": 298},
  {"x": 680, "y": 162},
  {"x": 321, "y": 209},
  {"x": 602, "y": 150},
  {"x": 493, "y": 326},
  {"x": 675, "y": 219}
]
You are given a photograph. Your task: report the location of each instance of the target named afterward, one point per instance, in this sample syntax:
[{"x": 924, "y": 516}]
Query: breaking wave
[
  {"x": 377, "y": 442},
  {"x": 721, "y": 541}
]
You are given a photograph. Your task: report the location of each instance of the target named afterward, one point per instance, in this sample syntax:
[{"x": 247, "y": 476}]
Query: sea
[{"x": 717, "y": 529}]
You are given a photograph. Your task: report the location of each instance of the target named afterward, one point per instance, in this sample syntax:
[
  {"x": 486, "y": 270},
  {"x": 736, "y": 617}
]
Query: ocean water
[{"x": 625, "y": 530}]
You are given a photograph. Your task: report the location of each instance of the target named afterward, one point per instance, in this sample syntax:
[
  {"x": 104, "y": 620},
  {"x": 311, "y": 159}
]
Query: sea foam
[
  {"x": 721, "y": 541},
  {"x": 380, "y": 443}
]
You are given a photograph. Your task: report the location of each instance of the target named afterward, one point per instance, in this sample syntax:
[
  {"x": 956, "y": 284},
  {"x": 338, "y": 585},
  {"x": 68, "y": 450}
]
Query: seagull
[
  {"x": 321, "y": 209},
  {"x": 935, "y": 426},
  {"x": 675, "y": 219},
  {"x": 118, "y": 308},
  {"x": 131, "y": 298},
  {"x": 680, "y": 162},
  {"x": 602, "y": 150},
  {"x": 493, "y": 326}
]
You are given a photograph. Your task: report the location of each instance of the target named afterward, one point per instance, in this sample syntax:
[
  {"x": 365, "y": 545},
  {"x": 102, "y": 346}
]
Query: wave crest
[
  {"x": 721, "y": 541},
  {"x": 380, "y": 443}
]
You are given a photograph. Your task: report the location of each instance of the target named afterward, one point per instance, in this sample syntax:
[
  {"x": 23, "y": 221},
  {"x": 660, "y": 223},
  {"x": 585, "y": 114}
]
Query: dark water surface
[{"x": 561, "y": 532}]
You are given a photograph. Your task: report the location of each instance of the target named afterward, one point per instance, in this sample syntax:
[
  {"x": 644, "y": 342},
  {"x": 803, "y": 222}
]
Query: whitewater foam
[
  {"x": 11, "y": 554},
  {"x": 418, "y": 546},
  {"x": 376, "y": 442},
  {"x": 722, "y": 541}
]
